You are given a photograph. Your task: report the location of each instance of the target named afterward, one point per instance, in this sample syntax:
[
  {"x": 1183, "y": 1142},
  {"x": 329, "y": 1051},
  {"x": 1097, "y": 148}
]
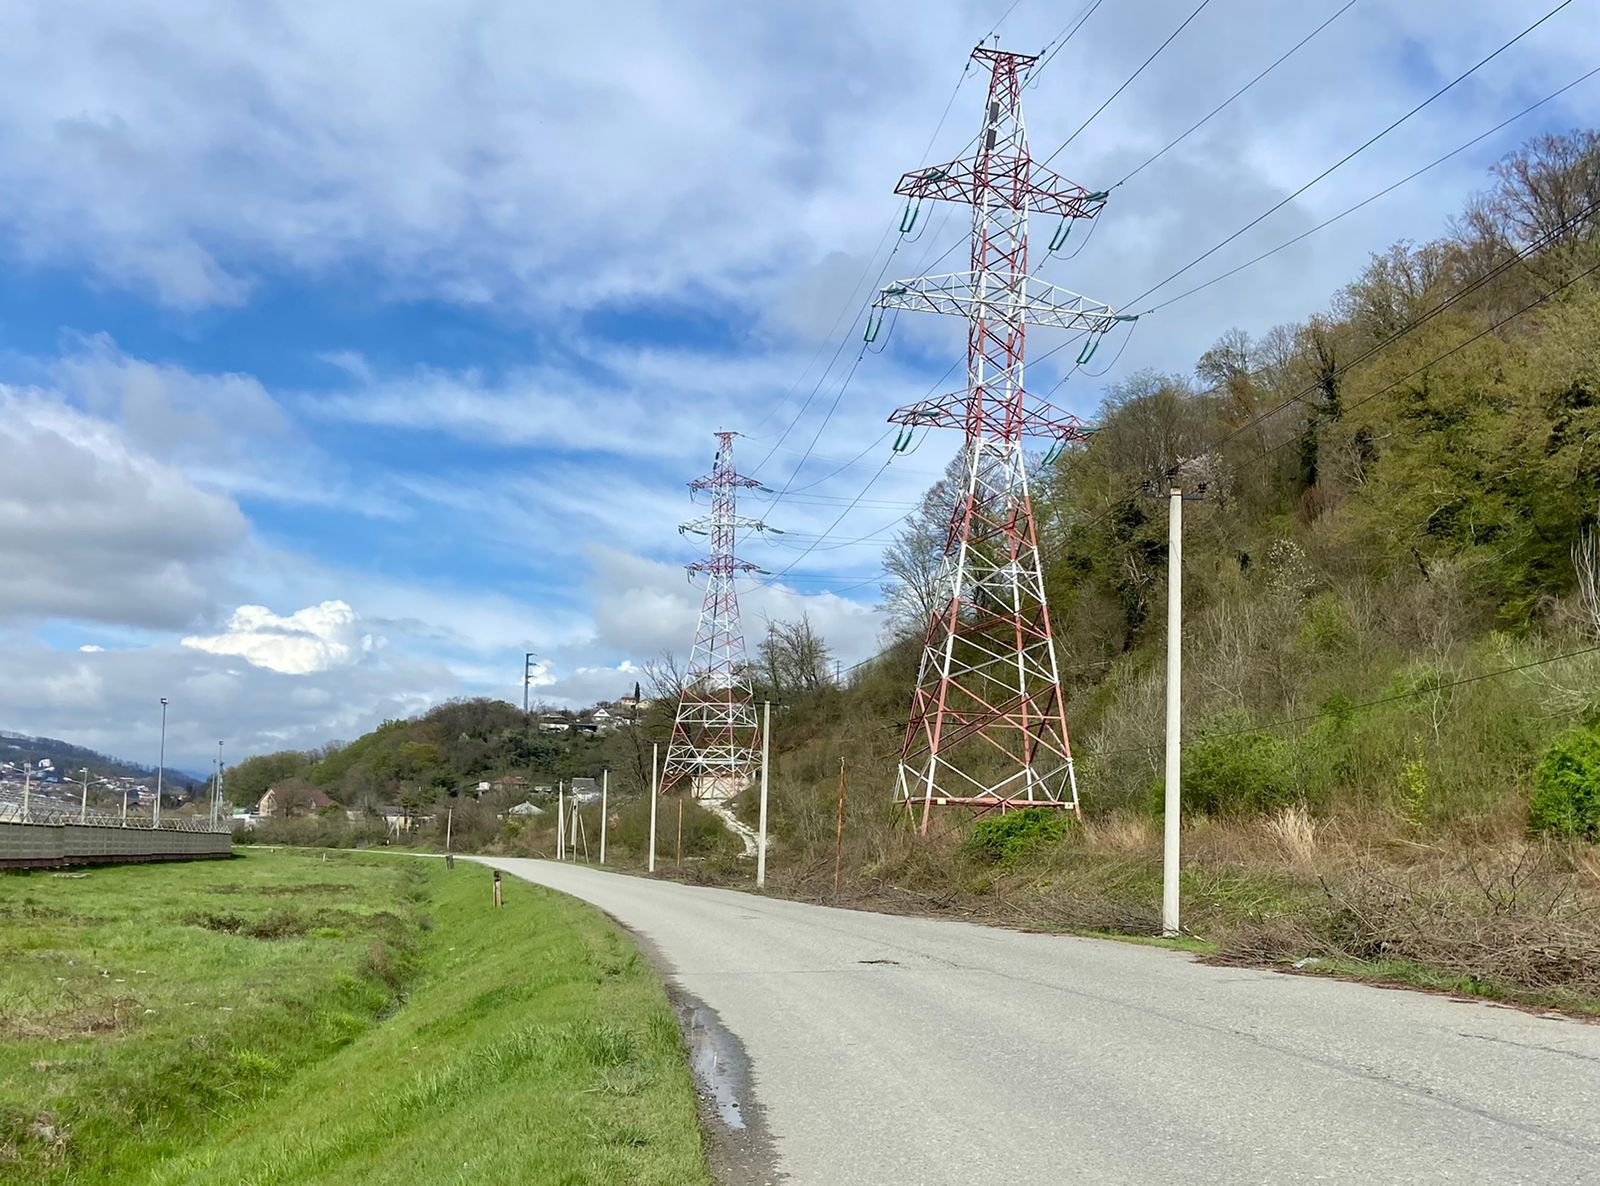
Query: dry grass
[{"x": 1296, "y": 835}]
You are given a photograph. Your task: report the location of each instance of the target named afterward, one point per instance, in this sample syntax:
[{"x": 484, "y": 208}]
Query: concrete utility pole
[
  {"x": 605, "y": 799},
  {"x": 27, "y": 788},
  {"x": 766, "y": 755},
  {"x": 161, "y": 766},
  {"x": 655, "y": 766},
  {"x": 1174, "y": 778},
  {"x": 83, "y": 807},
  {"x": 561, "y": 820}
]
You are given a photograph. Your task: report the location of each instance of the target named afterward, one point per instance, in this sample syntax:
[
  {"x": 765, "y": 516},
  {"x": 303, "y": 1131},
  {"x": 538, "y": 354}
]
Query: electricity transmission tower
[
  {"x": 715, "y": 744},
  {"x": 987, "y": 729}
]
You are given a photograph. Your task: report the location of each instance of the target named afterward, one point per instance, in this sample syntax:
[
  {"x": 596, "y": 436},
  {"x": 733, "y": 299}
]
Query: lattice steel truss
[
  {"x": 715, "y": 736},
  {"x": 987, "y": 729}
]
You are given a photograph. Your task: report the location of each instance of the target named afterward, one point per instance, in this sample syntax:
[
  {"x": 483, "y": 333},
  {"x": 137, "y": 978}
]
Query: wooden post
[
  {"x": 838, "y": 834},
  {"x": 680, "y": 831},
  {"x": 497, "y": 889}
]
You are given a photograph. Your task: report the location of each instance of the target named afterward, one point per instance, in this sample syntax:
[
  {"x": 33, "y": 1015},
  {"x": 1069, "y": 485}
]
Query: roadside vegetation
[{"x": 340, "y": 1018}]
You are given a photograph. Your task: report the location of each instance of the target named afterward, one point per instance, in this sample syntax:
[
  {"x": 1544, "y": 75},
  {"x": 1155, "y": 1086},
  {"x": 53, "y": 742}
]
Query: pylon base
[{"x": 978, "y": 806}]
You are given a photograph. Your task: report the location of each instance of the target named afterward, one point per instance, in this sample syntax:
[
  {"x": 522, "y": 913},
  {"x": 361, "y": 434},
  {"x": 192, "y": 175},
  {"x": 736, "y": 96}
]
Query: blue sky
[{"x": 349, "y": 351}]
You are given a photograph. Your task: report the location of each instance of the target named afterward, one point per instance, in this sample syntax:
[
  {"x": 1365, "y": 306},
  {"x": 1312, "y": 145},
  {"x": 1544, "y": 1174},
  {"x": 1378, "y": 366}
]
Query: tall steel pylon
[
  {"x": 988, "y": 729},
  {"x": 715, "y": 736}
]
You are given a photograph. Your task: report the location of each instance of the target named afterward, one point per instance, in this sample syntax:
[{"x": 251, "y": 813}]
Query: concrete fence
[{"x": 53, "y": 845}]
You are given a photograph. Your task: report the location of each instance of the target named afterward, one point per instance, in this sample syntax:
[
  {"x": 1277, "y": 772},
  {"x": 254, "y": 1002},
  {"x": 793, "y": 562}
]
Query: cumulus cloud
[
  {"x": 96, "y": 529},
  {"x": 110, "y": 699},
  {"x": 314, "y": 639}
]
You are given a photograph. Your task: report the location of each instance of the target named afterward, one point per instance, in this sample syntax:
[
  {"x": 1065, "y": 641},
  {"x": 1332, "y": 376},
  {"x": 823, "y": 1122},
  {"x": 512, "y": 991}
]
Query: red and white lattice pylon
[
  {"x": 715, "y": 744},
  {"x": 988, "y": 730}
]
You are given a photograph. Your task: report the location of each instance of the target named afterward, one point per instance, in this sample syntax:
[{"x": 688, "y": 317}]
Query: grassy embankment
[{"x": 289, "y": 1018}]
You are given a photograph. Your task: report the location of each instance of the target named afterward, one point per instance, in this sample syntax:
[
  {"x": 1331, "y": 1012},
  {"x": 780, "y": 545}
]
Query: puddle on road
[{"x": 714, "y": 1058}]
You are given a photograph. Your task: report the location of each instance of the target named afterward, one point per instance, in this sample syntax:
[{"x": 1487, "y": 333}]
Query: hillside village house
[{"x": 305, "y": 801}]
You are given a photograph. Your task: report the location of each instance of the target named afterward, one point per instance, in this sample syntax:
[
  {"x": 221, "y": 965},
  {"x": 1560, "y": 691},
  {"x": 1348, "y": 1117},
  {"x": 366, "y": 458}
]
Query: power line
[
  {"x": 1207, "y": 117},
  {"x": 1349, "y": 155},
  {"x": 1456, "y": 349},
  {"x": 1170, "y": 38},
  {"x": 1422, "y": 319},
  {"x": 851, "y": 301},
  {"x": 1426, "y": 689},
  {"x": 854, "y": 502},
  {"x": 1367, "y": 201},
  {"x": 1059, "y": 42}
]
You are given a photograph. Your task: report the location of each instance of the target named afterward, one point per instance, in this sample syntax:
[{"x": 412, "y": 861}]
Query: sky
[{"x": 350, "y": 351}]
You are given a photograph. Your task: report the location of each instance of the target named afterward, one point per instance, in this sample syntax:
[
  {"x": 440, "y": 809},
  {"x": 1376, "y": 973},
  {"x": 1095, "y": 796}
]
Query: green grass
[{"x": 290, "y": 1018}]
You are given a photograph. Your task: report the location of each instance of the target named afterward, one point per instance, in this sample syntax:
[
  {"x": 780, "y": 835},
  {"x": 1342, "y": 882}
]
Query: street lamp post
[
  {"x": 83, "y": 807},
  {"x": 216, "y": 812},
  {"x": 161, "y": 766}
]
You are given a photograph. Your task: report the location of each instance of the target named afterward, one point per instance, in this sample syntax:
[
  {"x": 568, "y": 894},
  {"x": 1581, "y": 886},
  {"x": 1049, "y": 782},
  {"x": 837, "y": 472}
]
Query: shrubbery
[
  {"x": 1229, "y": 769},
  {"x": 1004, "y": 839},
  {"x": 1566, "y": 795}
]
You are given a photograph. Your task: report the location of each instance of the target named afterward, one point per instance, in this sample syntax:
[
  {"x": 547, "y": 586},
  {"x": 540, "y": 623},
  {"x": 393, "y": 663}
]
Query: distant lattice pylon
[
  {"x": 988, "y": 729},
  {"x": 715, "y": 734}
]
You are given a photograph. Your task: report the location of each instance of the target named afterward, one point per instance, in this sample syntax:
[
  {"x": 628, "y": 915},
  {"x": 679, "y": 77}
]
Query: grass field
[{"x": 293, "y": 1018}]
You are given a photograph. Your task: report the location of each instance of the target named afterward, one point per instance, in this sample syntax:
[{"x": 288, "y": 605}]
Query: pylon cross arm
[
  {"x": 977, "y": 295},
  {"x": 1006, "y": 178},
  {"x": 723, "y": 481},
  {"x": 956, "y": 410},
  {"x": 723, "y": 565},
  {"x": 705, "y": 524}
]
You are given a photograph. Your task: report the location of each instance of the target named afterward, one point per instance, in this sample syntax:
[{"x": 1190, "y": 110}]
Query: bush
[
  {"x": 1229, "y": 770},
  {"x": 1566, "y": 795},
  {"x": 1005, "y": 839}
]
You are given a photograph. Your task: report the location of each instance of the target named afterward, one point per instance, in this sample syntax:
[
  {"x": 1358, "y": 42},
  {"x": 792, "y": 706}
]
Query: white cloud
[
  {"x": 226, "y": 431},
  {"x": 98, "y": 530},
  {"x": 314, "y": 639},
  {"x": 110, "y": 700},
  {"x": 723, "y": 158}
]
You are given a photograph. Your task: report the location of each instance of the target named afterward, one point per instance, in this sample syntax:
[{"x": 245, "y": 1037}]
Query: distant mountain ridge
[{"x": 68, "y": 759}]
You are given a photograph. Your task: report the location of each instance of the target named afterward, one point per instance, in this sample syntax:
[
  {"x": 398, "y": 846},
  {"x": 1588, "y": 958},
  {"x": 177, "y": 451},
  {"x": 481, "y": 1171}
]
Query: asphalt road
[{"x": 893, "y": 1051}]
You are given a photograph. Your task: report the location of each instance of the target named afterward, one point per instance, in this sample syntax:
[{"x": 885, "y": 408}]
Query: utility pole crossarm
[
  {"x": 1018, "y": 185},
  {"x": 1036, "y": 418},
  {"x": 982, "y": 294}
]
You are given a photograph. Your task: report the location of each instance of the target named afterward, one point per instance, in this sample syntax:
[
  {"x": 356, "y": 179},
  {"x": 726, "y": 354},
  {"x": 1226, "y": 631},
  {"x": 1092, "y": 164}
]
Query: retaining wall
[{"x": 55, "y": 845}]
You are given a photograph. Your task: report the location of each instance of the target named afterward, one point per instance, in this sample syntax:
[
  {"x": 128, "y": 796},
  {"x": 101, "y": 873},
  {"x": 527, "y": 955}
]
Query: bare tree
[
  {"x": 794, "y": 658},
  {"x": 1586, "y": 564},
  {"x": 915, "y": 560},
  {"x": 664, "y": 676}
]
